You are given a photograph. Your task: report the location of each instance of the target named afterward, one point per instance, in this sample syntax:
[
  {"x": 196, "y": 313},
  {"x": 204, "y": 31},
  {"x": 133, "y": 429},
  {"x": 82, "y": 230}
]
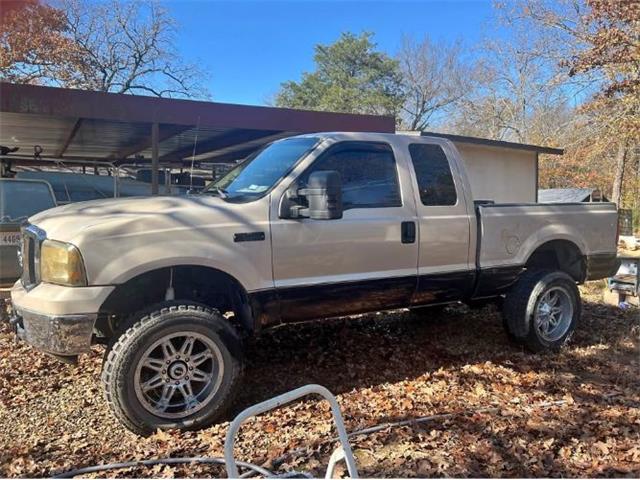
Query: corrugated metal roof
[{"x": 97, "y": 126}]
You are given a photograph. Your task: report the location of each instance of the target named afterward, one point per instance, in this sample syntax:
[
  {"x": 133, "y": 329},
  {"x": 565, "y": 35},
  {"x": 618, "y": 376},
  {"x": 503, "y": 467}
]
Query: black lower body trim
[
  {"x": 265, "y": 306},
  {"x": 601, "y": 265},
  {"x": 497, "y": 280},
  {"x": 294, "y": 304},
  {"x": 309, "y": 302},
  {"x": 443, "y": 287},
  {"x": 345, "y": 298}
]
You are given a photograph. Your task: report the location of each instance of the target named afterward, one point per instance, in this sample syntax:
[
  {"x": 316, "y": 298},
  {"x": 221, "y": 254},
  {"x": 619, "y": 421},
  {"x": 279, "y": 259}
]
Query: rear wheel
[
  {"x": 542, "y": 309},
  {"x": 177, "y": 367}
]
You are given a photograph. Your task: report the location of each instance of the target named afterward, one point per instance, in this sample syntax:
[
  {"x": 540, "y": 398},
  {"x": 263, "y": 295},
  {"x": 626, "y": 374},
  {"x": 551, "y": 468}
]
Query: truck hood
[
  {"x": 122, "y": 238},
  {"x": 115, "y": 216}
]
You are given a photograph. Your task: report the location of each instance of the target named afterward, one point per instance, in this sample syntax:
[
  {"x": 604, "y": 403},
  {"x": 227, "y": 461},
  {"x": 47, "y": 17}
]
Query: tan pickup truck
[{"x": 309, "y": 227}]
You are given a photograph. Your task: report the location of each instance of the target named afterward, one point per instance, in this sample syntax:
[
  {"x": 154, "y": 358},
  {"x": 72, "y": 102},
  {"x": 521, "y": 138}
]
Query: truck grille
[{"x": 32, "y": 238}]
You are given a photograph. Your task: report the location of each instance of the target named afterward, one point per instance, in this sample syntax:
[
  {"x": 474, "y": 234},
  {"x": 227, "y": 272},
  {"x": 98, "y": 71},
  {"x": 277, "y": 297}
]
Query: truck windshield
[
  {"x": 260, "y": 172},
  {"x": 21, "y": 199}
]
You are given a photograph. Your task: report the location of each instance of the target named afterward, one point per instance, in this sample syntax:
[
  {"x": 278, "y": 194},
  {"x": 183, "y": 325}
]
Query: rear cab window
[{"x": 433, "y": 173}]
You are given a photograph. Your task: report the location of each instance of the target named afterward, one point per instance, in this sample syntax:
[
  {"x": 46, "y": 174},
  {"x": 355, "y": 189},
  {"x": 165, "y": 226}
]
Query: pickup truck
[{"x": 309, "y": 227}]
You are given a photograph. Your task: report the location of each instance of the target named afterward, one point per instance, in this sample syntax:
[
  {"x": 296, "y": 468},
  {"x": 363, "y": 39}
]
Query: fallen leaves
[{"x": 384, "y": 368}]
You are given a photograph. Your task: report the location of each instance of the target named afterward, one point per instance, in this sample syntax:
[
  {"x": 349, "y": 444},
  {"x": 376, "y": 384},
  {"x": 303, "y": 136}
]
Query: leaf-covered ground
[{"x": 383, "y": 368}]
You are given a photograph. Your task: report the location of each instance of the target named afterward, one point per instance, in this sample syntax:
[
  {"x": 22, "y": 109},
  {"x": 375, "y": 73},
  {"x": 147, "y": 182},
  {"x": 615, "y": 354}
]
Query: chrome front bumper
[
  {"x": 52, "y": 318},
  {"x": 64, "y": 335}
]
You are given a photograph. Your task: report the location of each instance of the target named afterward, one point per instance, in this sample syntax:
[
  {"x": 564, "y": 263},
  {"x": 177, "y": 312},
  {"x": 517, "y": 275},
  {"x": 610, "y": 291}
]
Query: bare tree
[
  {"x": 597, "y": 43},
  {"x": 434, "y": 79},
  {"x": 127, "y": 47},
  {"x": 518, "y": 96},
  {"x": 110, "y": 46}
]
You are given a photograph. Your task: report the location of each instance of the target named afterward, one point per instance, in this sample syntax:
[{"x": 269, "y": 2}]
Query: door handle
[{"x": 408, "y": 232}]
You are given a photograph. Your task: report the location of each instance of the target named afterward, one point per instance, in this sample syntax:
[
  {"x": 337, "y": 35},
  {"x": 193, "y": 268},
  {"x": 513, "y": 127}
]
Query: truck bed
[{"x": 509, "y": 233}]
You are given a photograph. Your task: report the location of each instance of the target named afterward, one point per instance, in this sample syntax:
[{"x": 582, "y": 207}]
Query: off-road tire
[
  {"x": 143, "y": 329},
  {"x": 522, "y": 301}
]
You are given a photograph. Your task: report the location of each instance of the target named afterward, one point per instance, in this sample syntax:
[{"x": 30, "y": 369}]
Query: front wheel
[
  {"x": 542, "y": 309},
  {"x": 177, "y": 367}
]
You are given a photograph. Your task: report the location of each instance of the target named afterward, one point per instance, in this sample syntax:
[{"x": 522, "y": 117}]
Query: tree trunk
[{"x": 621, "y": 155}]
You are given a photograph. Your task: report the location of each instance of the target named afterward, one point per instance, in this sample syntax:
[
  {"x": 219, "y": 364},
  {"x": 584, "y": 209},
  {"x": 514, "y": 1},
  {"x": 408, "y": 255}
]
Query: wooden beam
[
  {"x": 234, "y": 155},
  {"x": 69, "y": 138},
  {"x": 236, "y": 137},
  {"x": 205, "y": 156}
]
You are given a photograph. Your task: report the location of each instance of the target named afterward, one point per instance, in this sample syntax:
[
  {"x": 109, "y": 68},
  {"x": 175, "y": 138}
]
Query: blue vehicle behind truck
[{"x": 19, "y": 199}]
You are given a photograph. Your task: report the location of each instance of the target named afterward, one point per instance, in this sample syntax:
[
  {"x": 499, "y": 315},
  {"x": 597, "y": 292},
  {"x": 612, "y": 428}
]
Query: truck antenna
[{"x": 193, "y": 154}]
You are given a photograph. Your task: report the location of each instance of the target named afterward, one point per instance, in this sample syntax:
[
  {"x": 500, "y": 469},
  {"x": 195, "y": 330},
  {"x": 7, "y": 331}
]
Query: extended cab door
[
  {"x": 361, "y": 262},
  {"x": 446, "y": 266}
]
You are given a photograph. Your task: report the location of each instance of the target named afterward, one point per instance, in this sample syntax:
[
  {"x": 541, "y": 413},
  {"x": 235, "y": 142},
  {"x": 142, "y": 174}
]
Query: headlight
[{"x": 61, "y": 263}]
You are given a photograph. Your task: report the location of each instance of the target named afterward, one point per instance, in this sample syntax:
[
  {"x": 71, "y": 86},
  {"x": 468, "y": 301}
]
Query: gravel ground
[{"x": 383, "y": 368}]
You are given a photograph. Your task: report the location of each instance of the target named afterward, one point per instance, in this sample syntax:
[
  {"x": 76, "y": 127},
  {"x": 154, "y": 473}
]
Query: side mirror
[{"x": 324, "y": 196}]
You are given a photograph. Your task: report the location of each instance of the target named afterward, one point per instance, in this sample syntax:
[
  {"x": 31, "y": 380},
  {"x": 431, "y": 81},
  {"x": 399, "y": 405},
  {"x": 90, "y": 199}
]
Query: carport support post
[{"x": 155, "y": 134}]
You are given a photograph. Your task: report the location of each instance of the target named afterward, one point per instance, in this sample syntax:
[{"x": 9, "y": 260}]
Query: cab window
[
  {"x": 433, "y": 172},
  {"x": 368, "y": 171}
]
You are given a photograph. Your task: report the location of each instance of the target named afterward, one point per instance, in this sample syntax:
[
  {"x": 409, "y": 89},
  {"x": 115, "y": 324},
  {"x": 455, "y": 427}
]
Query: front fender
[{"x": 249, "y": 264}]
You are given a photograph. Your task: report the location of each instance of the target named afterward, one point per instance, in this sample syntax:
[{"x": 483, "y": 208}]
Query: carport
[{"x": 52, "y": 125}]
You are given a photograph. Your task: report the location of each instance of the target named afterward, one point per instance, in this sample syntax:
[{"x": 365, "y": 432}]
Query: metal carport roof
[{"x": 97, "y": 126}]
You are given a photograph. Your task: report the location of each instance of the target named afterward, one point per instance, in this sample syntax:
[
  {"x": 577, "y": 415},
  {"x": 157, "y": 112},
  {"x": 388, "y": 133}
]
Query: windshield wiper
[{"x": 221, "y": 192}]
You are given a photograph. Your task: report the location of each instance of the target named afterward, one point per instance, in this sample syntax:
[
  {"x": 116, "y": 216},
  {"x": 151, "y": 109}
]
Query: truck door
[
  {"x": 366, "y": 260},
  {"x": 445, "y": 269}
]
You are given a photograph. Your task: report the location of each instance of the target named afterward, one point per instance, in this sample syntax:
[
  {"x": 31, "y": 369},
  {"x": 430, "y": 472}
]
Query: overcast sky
[{"x": 250, "y": 47}]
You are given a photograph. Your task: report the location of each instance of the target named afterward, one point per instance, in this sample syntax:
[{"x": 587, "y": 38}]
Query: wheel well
[
  {"x": 560, "y": 255},
  {"x": 205, "y": 285}
]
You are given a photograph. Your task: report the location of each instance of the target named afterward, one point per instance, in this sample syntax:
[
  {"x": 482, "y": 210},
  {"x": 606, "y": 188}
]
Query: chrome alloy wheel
[
  {"x": 553, "y": 314},
  {"x": 178, "y": 375}
]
